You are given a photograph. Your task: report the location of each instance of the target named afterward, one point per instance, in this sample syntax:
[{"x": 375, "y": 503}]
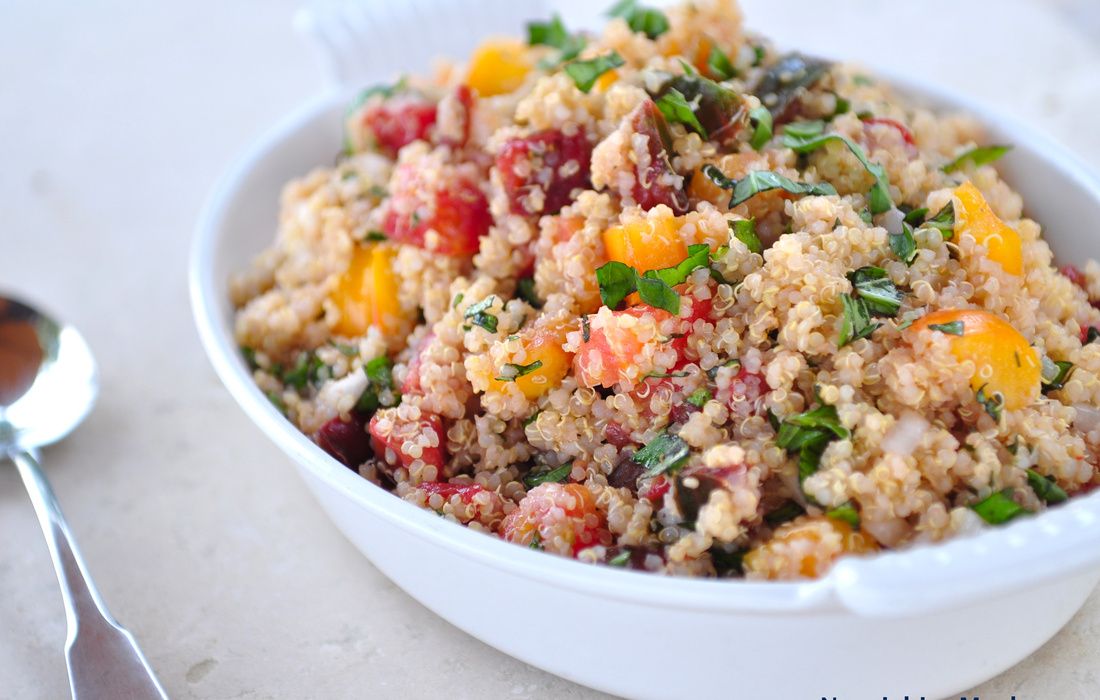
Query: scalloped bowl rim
[{"x": 1025, "y": 534}]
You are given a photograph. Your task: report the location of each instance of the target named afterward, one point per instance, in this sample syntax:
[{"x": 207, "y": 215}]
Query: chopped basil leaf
[
  {"x": 715, "y": 106},
  {"x": 1054, "y": 373},
  {"x": 546, "y": 476},
  {"x": 951, "y": 328},
  {"x": 698, "y": 256},
  {"x": 903, "y": 244},
  {"x": 1092, "y": 334},
  {"x": 651, "y": 22},
  {"x": 586, "y": 328},
  {"x": 676, "y": 109},
  {"x": 525, "y": 289},
  {"x": 378, "y": 392},
  {"x": 713, "y": 371},
  {"x": 616, "y": 281},
  {"x": 621, "y": 559},
  {"x": 761, "y": 120},
  {"x": 1045, "y": 488},
  {"x": 658, "y": 294},
  {"x": 758, "y": 54},
  {"x": 457, "y": 301},
  {"x": 375, "y": 236},
  {"x": 943, "y": 221},
  {"x": 757, "y": 181},
  {"x": 380, "y": 372},
  {"x": 795, "y": 430},
  {"x": 786, "y": 512},
  {"x": 510, "y": 372},
  {"x": 744, "y": 230},
  {"x": 308, "y": 369},
  {"x": 699, "y": 397},
  {"x": 783, "y": 82},
  {"x": 536, "y": 542},
  {"x": 249, "y": 356},
  {"x": 876, "y": 290},
  {"x": 865, "y": 215},
  {"x": 804, "y": 130},
  {"x": 843, "y": 106},
  {"x": 998, "y": 507},
  {"x": 586, "y": 73},
  {"x": 719, "y": 65},
  {"x": 666, "y": 375},
  {"x": 346, "y": 350},
  {"x": 554, "y": 34},
  {"x": 979, "y": 156},
  {"x": 855, "y": 321},
  {"x": 915, "y": 216},
  {"x": 664, "y": 453},
  {"x": 803, "y": 142},
  {"x": 846, "y": 513},
  {"x": 277, "y": 401},
  {"x": 992, "y": 403},
  {"x": 477, "y": 315}
]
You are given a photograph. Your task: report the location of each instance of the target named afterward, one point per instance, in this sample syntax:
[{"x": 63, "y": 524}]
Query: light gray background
[{"x": 115, "y": 119}]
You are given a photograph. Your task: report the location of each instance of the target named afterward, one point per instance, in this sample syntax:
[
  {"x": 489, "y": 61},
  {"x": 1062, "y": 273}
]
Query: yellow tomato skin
[
  {"x": 498, "y": 66},
  {"x": 974, "y": 216},
  {"x": 541, "y": 346},
  {"x": 366, "y": 294},
  {"x": 1004, "y": 362},
  {"x": 650, "y": 244}
]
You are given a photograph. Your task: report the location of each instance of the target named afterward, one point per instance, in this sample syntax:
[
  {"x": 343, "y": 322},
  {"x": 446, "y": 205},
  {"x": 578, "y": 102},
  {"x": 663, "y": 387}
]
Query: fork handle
[{"x": 103, "y": 658}]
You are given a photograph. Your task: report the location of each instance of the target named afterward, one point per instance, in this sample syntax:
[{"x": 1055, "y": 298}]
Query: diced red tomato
[
  {"x": 559, "y": 518},
  {"x": 393, "y": 438},
  {"x": 902, "y": 129},
  {"x": 656, "y": 489},
  {"x": 700, "y": 309},
  {"x": 346, "y": 440},
  {"x": 399, "y": 120},
  {"x": 746, "y": 391},
  {"x": 651, "y": 187},
  {"x": 551, "y": 161},
  {"x": 1074, "y": 274},
  {"x": 455, "y": 208},
  {"x": 611, "y": 349}
]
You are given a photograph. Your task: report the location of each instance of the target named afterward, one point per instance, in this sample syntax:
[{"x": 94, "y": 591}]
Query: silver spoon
[{"x": 47, "y": 386}]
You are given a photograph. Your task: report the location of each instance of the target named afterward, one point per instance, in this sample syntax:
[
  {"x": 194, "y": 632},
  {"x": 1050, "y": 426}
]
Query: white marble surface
[{"x": 114, "y": 121}]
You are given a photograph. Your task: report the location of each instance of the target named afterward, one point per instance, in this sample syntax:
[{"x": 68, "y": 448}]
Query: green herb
[
  {"x": 713, "y": 371},
  {"x": 1045, "y": 488},
  {"x": 1092, "y": 334},
  {"x": 950, "y": 328},
  {"x": 249, "y": 356},
  {"x": 621, "y": 559},
  {"x": 536, "y": 542},
  {"x": 846, "y": 513},
  {"x": 719, "y": 65},
  {"x": 785, "y": 513},
  {"x": 903, "y": 244},
  {"x": 375, "y": 236},
  {"x": 978, "y": 156},
  {"x": 757, "y": 181},
  {"x": 785, "y": 81},
  {"x": 908, "y": 317},
  {"x": 876, "y": 290},
  {"x": 664, "y": 453},
  {"x": 308, "y": 369},
  {"x": 1054, "y": 373},
  {"x": 855, "y": 322},
  {"x": 546, "y": 476},
  {"x": 698, "y": 256},
  {"x": 804, "y": 130},
  {"x": 699, "y": 397},
  {"x": 649, "y": 21},
  {"x": 477, "y": 315},
  {"x": 658, "y": 294},
  {"x": 801, "y": 141},
  {"x": 457, "y": 300},
  {"x": 554, "y": 34},
  {"x": 277, "y": 401},
  {"x": 761, "y": 120},
  {"x": 744, "y": 230},
  {"x": 914, "y": 216},
  {"x": 525, "y": 289},
  {"x": 865, "y": 215},
  {"x": 843, "y": 106},
  {"x": 808, "y": 434},
  {"x": 586, "y": 73},
  {"x": 346, "y": 349},
  {"x": 378, "y": 392},
  {"x": 676, "y": 109},
  {"x": 998, "y": 507},
  {"x": 943, "y": 221},
  {"x": 617, "y": 280},
  {"x": 667, "y": 375},
  {"x": 992, "y": 403},
  {"x": 382, "y": 90},
  {"x": 511, "y": 372},
  {"x": 531, "y": 418}
]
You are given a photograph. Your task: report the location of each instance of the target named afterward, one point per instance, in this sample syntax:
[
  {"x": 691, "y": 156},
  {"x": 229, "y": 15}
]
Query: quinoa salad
[{"x": 667, "y": 298}]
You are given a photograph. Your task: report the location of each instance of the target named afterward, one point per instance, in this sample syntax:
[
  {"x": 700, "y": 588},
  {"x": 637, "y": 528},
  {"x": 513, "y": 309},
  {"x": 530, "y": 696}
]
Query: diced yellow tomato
[
  {"x": 973, "y": 216},
  {"x": 498, "y": 66},
  {"x": 366, "y": 294},
  {"x": 647, "y": 244},
  {"x": 605, "y": 81},
  {"x": 1004, "y": 362},
  {"x": 806, "y": 548},
  {"x": 542, "y": 346}
]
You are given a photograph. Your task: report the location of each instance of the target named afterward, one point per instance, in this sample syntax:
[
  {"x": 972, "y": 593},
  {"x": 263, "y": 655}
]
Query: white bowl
[{"x": 930, "y": 620}]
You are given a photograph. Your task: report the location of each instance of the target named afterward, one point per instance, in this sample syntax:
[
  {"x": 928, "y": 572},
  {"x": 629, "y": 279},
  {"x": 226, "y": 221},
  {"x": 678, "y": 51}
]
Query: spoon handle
[{"x": 103, "y": 658}]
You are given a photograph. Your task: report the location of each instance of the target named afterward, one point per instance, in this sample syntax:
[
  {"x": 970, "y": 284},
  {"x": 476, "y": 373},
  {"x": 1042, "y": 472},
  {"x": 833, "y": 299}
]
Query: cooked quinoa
[{"x": 666, "y": 299}]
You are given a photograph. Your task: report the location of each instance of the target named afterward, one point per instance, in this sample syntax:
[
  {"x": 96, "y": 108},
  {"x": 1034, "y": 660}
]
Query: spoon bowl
[{"x": 48, "y": 377}]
